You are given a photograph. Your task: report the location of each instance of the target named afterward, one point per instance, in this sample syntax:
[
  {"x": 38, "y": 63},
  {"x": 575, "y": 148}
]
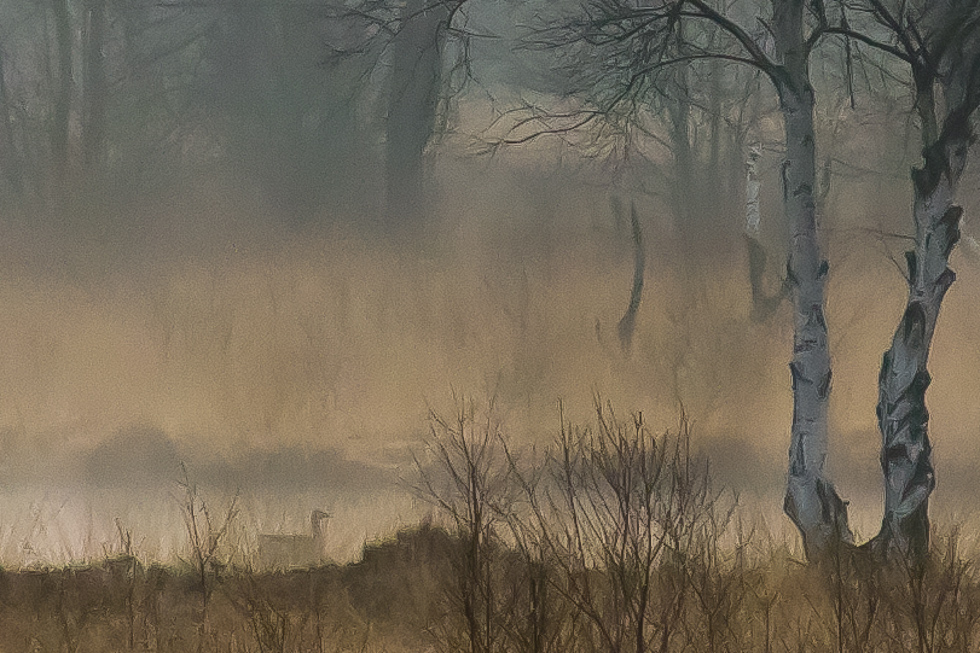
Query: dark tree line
[{"x": 323, "y": 103}]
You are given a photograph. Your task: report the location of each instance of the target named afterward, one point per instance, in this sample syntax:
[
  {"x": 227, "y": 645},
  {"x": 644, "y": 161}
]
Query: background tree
[
  {"x": 94, "y": 87},
  {"x": 416, "y": 89}
]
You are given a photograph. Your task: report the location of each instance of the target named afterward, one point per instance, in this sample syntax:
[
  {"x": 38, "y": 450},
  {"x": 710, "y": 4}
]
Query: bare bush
[
  {"x": 626, "y": 518},
  {"x": 613, "y": 538},
  {"x": 206, "y": 535},
  {"x": 469, "y": 481}
]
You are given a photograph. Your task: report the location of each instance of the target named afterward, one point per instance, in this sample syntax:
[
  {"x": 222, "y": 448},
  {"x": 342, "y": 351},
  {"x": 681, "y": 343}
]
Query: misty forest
[{"x": 489, "y": 325}]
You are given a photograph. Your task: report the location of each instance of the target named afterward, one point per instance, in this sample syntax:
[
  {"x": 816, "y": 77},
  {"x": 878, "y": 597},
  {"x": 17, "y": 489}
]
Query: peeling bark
[
  {"x": 906, "y": 453},
  {"x": 811, "y": 500}
]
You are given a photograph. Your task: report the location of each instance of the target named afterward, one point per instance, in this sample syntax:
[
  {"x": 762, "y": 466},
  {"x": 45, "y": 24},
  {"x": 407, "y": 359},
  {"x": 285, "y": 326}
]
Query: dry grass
[
  {"x": 614, "y": 539},
  {"x": 403, "y": 597}
]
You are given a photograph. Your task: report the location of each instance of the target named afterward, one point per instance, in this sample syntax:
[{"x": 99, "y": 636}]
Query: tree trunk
[
  {"x": 10, "y": 158},
  {"x": 685, "y": 209},
  {"x": 62, "y": 102},
  {"x": 811, "y": 500},
  {"x": 715, "y": 200},
  {"x": 763, "y": 305},
  {"x": 94, "y": 90},
  {"x": 416, "y": 85},
  {"x": 627, "y": 324},
  {"x": 906, "y": 454}
]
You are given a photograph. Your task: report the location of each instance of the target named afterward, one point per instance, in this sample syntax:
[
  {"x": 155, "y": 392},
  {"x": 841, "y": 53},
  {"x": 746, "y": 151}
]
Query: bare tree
[
  {"x": 811, "y": 500},
  {"x": 621, "y": 521},
  {"x": 206, "y": 535},
  {"x": 467, "y": 479},
  {"x": 640, "y": 41},
  {"x": 63, "y": 94},
  {"x": 12, "y": 159},
  {"x": 95, "y": 87},
  {"x": 414, "y": 96},
  {"x": 637, "y": 41},
  {"x": 940, "y": 44}
]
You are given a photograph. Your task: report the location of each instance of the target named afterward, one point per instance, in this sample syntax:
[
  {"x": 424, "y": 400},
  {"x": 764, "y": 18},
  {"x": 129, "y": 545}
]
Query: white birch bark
[
  {"x": 906, "y": 453},
  {"x": 944, "y": 61},
  {"x": 763, "y": 305},
  {"x": 811, "y": 500},
  {"x": 753, "y": 187}
]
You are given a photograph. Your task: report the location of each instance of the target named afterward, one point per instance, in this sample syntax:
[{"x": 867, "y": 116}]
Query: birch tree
[
  {"x": 939, "y": 41},
  {"x": 940, "y": 44},
  {"x": 643, "y": 40}
]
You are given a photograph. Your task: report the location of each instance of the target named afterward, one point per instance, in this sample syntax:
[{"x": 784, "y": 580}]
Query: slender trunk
[
  {"x": 627, "y": 325},
  {"x": 906, "y": 454},
  {"x": 296, "y": 160},
  {"x": 416, "y": 85},
  {"x": 11, "y": 160},
  {"x": 811, "y": 500},
  {"x": 62, "y": 102},
  {"x": 94, "y": 90},
  {"x": 763, "y": 305},
  {"x": 684, "y": 163},
  {"x": 716, "y": 203}
]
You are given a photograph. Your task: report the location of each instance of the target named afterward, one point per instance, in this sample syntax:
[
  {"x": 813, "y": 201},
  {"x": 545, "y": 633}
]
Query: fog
[{"x": 228, "y": 290}]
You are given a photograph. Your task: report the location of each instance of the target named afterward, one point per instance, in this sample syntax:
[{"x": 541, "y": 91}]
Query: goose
[{"x": 281, "y": 551}]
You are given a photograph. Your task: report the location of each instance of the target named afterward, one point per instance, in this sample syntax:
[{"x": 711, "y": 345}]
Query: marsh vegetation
[{"x": 613, "y": 538}]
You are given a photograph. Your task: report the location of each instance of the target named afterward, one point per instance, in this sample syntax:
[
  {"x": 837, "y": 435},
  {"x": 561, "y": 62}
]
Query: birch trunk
[
  {"x": 906, "y": 454},
  {"x": 811, "y": 500},
  {"x": 945, "y": 99},
  {"x": 763, "y": 305}
]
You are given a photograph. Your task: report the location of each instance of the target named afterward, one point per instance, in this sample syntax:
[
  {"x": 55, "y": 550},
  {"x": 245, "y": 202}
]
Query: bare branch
[
  {"x": 849, "y": 33},
  {"x": 752, "y": 48}
]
